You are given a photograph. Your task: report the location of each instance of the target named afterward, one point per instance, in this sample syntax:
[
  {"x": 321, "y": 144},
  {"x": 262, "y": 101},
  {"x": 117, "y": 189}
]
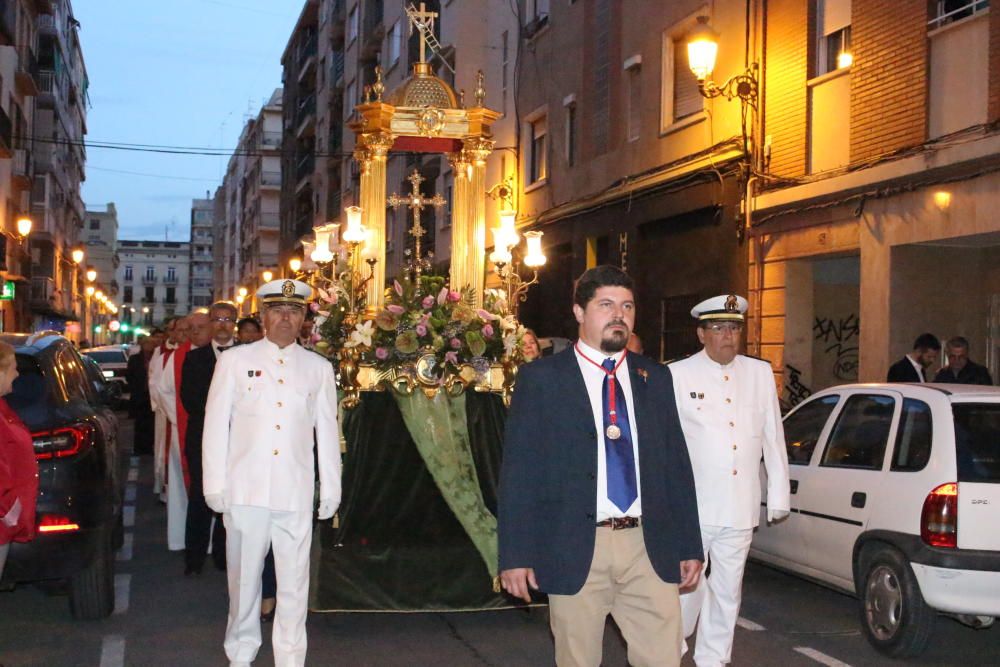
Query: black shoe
[{"x": 190, "y": 569}]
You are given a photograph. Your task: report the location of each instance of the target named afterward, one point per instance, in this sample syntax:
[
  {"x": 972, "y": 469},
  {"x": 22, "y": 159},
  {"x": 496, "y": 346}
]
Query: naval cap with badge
[
  {"x": 284, "y": 291},
  {"x": 722, "y": 308}
]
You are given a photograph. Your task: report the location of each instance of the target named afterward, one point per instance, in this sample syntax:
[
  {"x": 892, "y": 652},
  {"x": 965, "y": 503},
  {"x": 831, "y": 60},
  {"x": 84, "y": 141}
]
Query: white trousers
[
  {"x": 159, "y": 453},
  {"x": 249, "y": 533},
  {"x": 177, "y": 500},
  {"x": 717, "y": 599}
]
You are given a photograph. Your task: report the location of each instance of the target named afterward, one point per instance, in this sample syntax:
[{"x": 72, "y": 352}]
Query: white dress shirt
[
  {"x": 594, "y": 378},
  {"x": 917, "y": 367}
]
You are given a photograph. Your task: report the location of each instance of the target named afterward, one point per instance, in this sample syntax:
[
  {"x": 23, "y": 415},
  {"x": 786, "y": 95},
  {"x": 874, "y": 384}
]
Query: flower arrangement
[{"x": 428, "y": 318}]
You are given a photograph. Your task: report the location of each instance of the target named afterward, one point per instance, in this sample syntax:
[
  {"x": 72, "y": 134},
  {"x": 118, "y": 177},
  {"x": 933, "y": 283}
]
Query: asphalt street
[{"x": 163, "y": 618}]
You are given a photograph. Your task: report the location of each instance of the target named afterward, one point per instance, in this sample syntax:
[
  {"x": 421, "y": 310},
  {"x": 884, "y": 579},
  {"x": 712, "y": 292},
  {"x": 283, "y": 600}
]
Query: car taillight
[
  {"x": 61, "y": 442},
  {"x": 56, "y": 523},
  {"x": 939, "y": 518}
]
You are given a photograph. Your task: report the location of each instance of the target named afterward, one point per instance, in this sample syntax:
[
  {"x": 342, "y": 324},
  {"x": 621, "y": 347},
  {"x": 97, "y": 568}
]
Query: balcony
[
  {"x": 148, "y": 280},
  {"x": 338, "y": 26},
  {"x": 170, "y": 280},
  {"x": 6, "y": 134},
  {"x": 43, "y": 292},
  {"x": 373, "y": 29},
  {"x": 26, "y": 77},
  {"x": 22, "y": 176},
  {"x": 270, "y": 222},
  {"x": 337, "y": 69},
  {"x": 270, "y": 179},
  {"x": 305, "y": 115},
  {"x": 306, "y": 56},
  {"x": 149, "y": 299},
  {"x": 305, "y": 166},
  {"x": 270, "y": 139},
  {"x": 47, "y": 24}
]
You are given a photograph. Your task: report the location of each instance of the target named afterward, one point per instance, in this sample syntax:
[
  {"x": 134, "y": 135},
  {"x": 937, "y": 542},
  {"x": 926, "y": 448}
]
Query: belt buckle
[{"x": 624, "y": 522}]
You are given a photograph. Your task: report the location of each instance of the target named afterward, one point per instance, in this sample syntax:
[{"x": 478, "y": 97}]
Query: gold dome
[{"x": 423, "y": 89}]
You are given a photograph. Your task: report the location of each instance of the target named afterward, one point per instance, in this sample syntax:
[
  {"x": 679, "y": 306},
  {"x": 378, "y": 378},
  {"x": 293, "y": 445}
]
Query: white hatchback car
[{"x": 896, "y": 499}]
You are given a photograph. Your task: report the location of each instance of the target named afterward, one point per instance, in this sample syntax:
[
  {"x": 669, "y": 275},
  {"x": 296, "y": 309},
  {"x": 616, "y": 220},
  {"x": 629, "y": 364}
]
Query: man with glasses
[
  {"x": 196, "y": 377},
  {"x": 728, "y": 406},
  {"x": 266, "y": 402}
]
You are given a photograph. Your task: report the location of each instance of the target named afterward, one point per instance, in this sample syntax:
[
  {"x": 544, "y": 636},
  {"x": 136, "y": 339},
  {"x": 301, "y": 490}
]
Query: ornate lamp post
[{"x": 505, "y": 239}]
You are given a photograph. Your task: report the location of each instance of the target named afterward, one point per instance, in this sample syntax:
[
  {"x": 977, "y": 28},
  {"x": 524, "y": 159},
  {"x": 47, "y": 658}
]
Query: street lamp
[
  {"x": 266, "y": 275},
  {"x": 703, "y": 47},
  {"x": 23, "y": 227},
  {"x": 91, "y": 274},
  {"x": 295, "y": 264},
  {"x": 77, "y": 254}
]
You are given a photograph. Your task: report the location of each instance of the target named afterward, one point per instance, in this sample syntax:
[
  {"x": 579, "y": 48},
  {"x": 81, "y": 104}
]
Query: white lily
[{"x": 362, "y": 335}]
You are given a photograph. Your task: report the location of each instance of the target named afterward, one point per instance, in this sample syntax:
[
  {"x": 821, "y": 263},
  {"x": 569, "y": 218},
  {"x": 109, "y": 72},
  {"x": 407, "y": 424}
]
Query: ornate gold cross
[
  {"x": 416, "y": 203},
  {"x": 424, "y": 21}
]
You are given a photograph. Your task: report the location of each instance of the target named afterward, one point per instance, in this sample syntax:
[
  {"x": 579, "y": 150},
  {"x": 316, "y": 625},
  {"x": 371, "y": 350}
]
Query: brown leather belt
[{"x": 621, "y": 523}]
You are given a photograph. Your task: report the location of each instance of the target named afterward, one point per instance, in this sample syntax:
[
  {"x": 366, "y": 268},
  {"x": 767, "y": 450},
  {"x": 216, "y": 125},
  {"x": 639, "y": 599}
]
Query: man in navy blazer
[{"x": 597, "y": 501}]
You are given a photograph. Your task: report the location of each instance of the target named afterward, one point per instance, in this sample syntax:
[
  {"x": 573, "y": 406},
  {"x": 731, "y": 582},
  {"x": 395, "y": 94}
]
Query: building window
[
  {"x": 149, "y": 295},
  {"x": 571, "y": 130},
  {"x": 943, "y": 12},
  {"x": 128, "y": 272},
  {"x": 171, "y": 295},
  {"x": 833, "y": 29},
  {"x": 680, "y": 97},
  {"x": 150, "y": 273},
  {"x": 537, "y": 149},
  {"x": 394, "y": 46},
  {"x": 95, "y": 223},
  {"x": 536, "y": 15},
  {"x": 171, "y": 273},
  {"x": 350, "y": 98},
  {"x": 352, "y": 24},
  {"x": 128, "y": 294},
  {"x": 633, "y": 73}
]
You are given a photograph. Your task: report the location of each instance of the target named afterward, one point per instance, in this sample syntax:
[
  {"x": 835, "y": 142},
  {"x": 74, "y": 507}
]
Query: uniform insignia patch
[
  {"x": 732, "y": 304},
  {"x": 287, "y": 288},
  {"x": 250, "y": 374},
  {"x": 701, "y": 396},
  {"x": 256, "y": 373},
  {"x": 694, "y": 395}
]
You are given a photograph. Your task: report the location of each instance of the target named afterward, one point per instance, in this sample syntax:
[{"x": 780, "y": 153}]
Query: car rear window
[
  {"x": 977, "y": 441},
  {"x": 29, "y": 397},
  {"x": 107, "y": 357}
]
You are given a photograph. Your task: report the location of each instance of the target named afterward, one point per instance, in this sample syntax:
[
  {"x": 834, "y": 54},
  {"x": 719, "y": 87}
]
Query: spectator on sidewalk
[
  {"x": 913, "y": 367},
  {"x": 960, "y": 369},
  {"x": 140, "y": 409},
  {"x": 18, "y": 467}
]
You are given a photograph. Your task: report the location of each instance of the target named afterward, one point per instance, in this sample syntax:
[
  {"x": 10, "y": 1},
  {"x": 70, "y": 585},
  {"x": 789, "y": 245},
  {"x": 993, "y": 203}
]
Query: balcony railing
[
  {"x": 337, "y": 68},
  {"x": 270, "y": 139},
  {"x": 170, "y": 280},
  {"x": 22, "y": 168},
  {"x": 43, "y": 292},
  {"x": 306, "y": 108},
  {"x": 26, "y": 77},
  {"x": 148, "y": 280},
  {"x": 307, "y": 49},
  {"x": 6, "y": 134},
  {"x": 304, "y": 167},
  {"x": 270, "y": 178}
]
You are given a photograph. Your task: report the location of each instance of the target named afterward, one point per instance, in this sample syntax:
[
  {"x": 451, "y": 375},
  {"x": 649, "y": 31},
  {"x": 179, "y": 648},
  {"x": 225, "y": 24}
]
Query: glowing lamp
[
  {"x": 99, "y": 295},
  {"x": 91, "y": 274},
  {"x": 243, "y": 292},
  {"x": 501, "y": 247},
  {"x": 507, "y": 219},
  {"x": 533, "y": 257},
  {"x": 240, "y": 298},
  {"x": 844, "y": 59},
  {"x": 89, "y": 290},
  {"x": 267, "y": 275},
  {"x": 295, "y": 264},
  {"x": 942, "y": 199},
  {"x": 24, "y": 226},
  {"x": 355, "y": 232},
  {"x": 703, "y": 47},
  {"x": 77, "y": 255},
  {"x": 321, "y": 253}
]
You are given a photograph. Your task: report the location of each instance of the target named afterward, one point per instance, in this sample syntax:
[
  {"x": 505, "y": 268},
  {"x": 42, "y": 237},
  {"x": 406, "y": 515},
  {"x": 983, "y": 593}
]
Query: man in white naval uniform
[
  {"x": 729, "y": 412},
  {"x": 264, "y": 403},
  {"x": 167, "y": 401},
  {"x": 157, "y": 362}
]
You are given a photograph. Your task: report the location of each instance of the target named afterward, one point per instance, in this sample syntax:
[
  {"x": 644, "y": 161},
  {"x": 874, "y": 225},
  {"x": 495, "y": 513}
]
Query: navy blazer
[{"x": 548, "y": 480}]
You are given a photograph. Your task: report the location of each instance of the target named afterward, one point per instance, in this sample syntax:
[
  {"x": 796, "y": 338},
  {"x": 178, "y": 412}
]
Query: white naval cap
[
  {"x": 284, "y": 291},
  {"x": 723, "y": 307}
]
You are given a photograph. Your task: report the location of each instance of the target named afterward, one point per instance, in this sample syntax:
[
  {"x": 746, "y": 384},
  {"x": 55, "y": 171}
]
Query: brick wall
[
  {"x": 888, "y": 77},
  {"x": 786, "y": 71}
]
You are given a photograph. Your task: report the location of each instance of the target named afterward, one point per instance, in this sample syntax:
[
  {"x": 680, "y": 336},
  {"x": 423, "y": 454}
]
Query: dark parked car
[
  {"x": 113, "y": 360},
  {"x": 64, "y": 400}
]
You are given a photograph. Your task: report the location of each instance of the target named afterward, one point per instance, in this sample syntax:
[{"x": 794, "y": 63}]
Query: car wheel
[
  {"x": 92, "y": 590},
  {"x": 894, "y": 616}
]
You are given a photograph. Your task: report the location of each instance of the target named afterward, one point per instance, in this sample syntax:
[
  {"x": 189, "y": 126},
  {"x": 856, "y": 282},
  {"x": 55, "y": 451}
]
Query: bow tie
[{"x": 223, "y": 348}]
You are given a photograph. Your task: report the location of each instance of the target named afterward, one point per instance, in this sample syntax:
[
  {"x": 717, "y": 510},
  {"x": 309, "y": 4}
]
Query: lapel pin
[
  {"x": 694, "y": 395},
  {"x": 256, "y": 373},
  {"x": 250, "y": 375},
  {"x": 701, "y": 396},
  {"x": 642, "y": 373}
]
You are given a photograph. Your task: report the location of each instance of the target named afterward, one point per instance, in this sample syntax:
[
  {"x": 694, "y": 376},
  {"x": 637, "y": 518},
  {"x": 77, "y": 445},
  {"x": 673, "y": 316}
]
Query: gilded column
[
  {"x": 371, "y": 156},
  {"x": 477, "y": 150},
  {"x": 460, "y": 221}
]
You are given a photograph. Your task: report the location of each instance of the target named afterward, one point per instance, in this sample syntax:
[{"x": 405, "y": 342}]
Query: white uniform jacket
[
  {"x": 730, "y": 417},
  {"x": 257, "y": 447}
]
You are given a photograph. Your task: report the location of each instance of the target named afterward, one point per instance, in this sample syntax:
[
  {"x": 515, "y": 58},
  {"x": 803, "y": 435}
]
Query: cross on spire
[
  {"x": 423, "y": 21},
  {"x": 416, "y": 203}
]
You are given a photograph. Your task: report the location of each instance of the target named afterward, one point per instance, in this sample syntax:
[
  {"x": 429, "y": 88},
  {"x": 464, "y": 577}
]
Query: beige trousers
[{"x": 622, "y": 583}]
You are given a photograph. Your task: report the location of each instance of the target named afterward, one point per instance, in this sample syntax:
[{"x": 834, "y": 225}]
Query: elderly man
[
  {"x": 960, "y": 369},
  {"x": 196, "y": 377},
  {"x": 265, "y": 401},
  {"x": 160, "y": 359},
  {"x": 728, "y": 407}
]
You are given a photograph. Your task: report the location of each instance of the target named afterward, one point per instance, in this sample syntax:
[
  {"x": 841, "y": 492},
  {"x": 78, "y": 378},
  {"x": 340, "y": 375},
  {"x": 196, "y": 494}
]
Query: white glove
[
  {"x": 10, "y": 519},
  {"x": 327, "y": 506},
  {"x": 217, "y": 502},
  {"x": 774, "y": 516}
]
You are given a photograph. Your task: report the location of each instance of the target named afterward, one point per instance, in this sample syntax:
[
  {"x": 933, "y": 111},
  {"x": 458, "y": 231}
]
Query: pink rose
[
  {"x": 442, "y": 296},
  {"x": 451, "y": 357},
  {"x": 393, "y": 308},
  {"x": 454, "y": 296},
  {"x": 381, "y": 353},
  {"x": 488, "y": 330},
  {"x": 456, "y": 344},
  {"x": 428, "y": 302},
  {"x": 421, "y": 330}
]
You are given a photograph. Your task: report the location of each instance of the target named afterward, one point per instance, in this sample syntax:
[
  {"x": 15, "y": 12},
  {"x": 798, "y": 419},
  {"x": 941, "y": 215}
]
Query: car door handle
[
  {"x": 858, "y": 499},
  {"x": 794, "y": 484}
]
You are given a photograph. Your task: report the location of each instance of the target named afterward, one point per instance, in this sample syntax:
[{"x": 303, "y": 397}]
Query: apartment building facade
[
  {"x": 202, "y": 262},
  {"x": 877, "y": 224},
  {"x": 622, "y": 161},
  {"x": 154, "y": 279},
  {"x": 248, "y": 205},
  {"x": 57, "y": 164}
]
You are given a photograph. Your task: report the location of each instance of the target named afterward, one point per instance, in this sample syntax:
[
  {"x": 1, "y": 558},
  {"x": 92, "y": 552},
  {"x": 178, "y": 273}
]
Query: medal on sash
[{"x": 613, "y": 431}]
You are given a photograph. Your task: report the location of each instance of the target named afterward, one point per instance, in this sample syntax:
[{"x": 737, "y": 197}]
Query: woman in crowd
[
  {"x": 530, "y": 349},
  {"x": 18, "y": 467}
]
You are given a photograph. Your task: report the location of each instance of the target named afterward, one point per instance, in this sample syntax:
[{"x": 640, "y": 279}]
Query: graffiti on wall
[
  {"x": 840, "y": 336},
  {"x": 795, "y": 391}
]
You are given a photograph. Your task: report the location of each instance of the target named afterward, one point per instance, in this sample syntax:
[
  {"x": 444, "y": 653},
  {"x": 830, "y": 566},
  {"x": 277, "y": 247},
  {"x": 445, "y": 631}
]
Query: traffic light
[{"x": 124, "y": 327}]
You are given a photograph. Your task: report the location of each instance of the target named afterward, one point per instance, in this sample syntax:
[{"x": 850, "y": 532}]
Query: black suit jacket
[
  {"x": 548, "y": 480},
  {"x": 138, "y": 385},
  {"x": 903, "y": 371},
  {"x": 196, "y": 378}
]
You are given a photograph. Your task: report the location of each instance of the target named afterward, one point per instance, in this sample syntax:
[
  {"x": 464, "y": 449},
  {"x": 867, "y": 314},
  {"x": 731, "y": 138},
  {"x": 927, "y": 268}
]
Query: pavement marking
[
  {"x": 128, "y": 516},
  {"x": 123, "y": 582},
  {"x": 749, "y": 625},
  {"x": 133, "y": 474},
  {"x": 130, "y": 493},
  {"x": 125, "y": 553},
  {"x": 819, "y": 657},
  {"x": 113, "y": 651}
]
